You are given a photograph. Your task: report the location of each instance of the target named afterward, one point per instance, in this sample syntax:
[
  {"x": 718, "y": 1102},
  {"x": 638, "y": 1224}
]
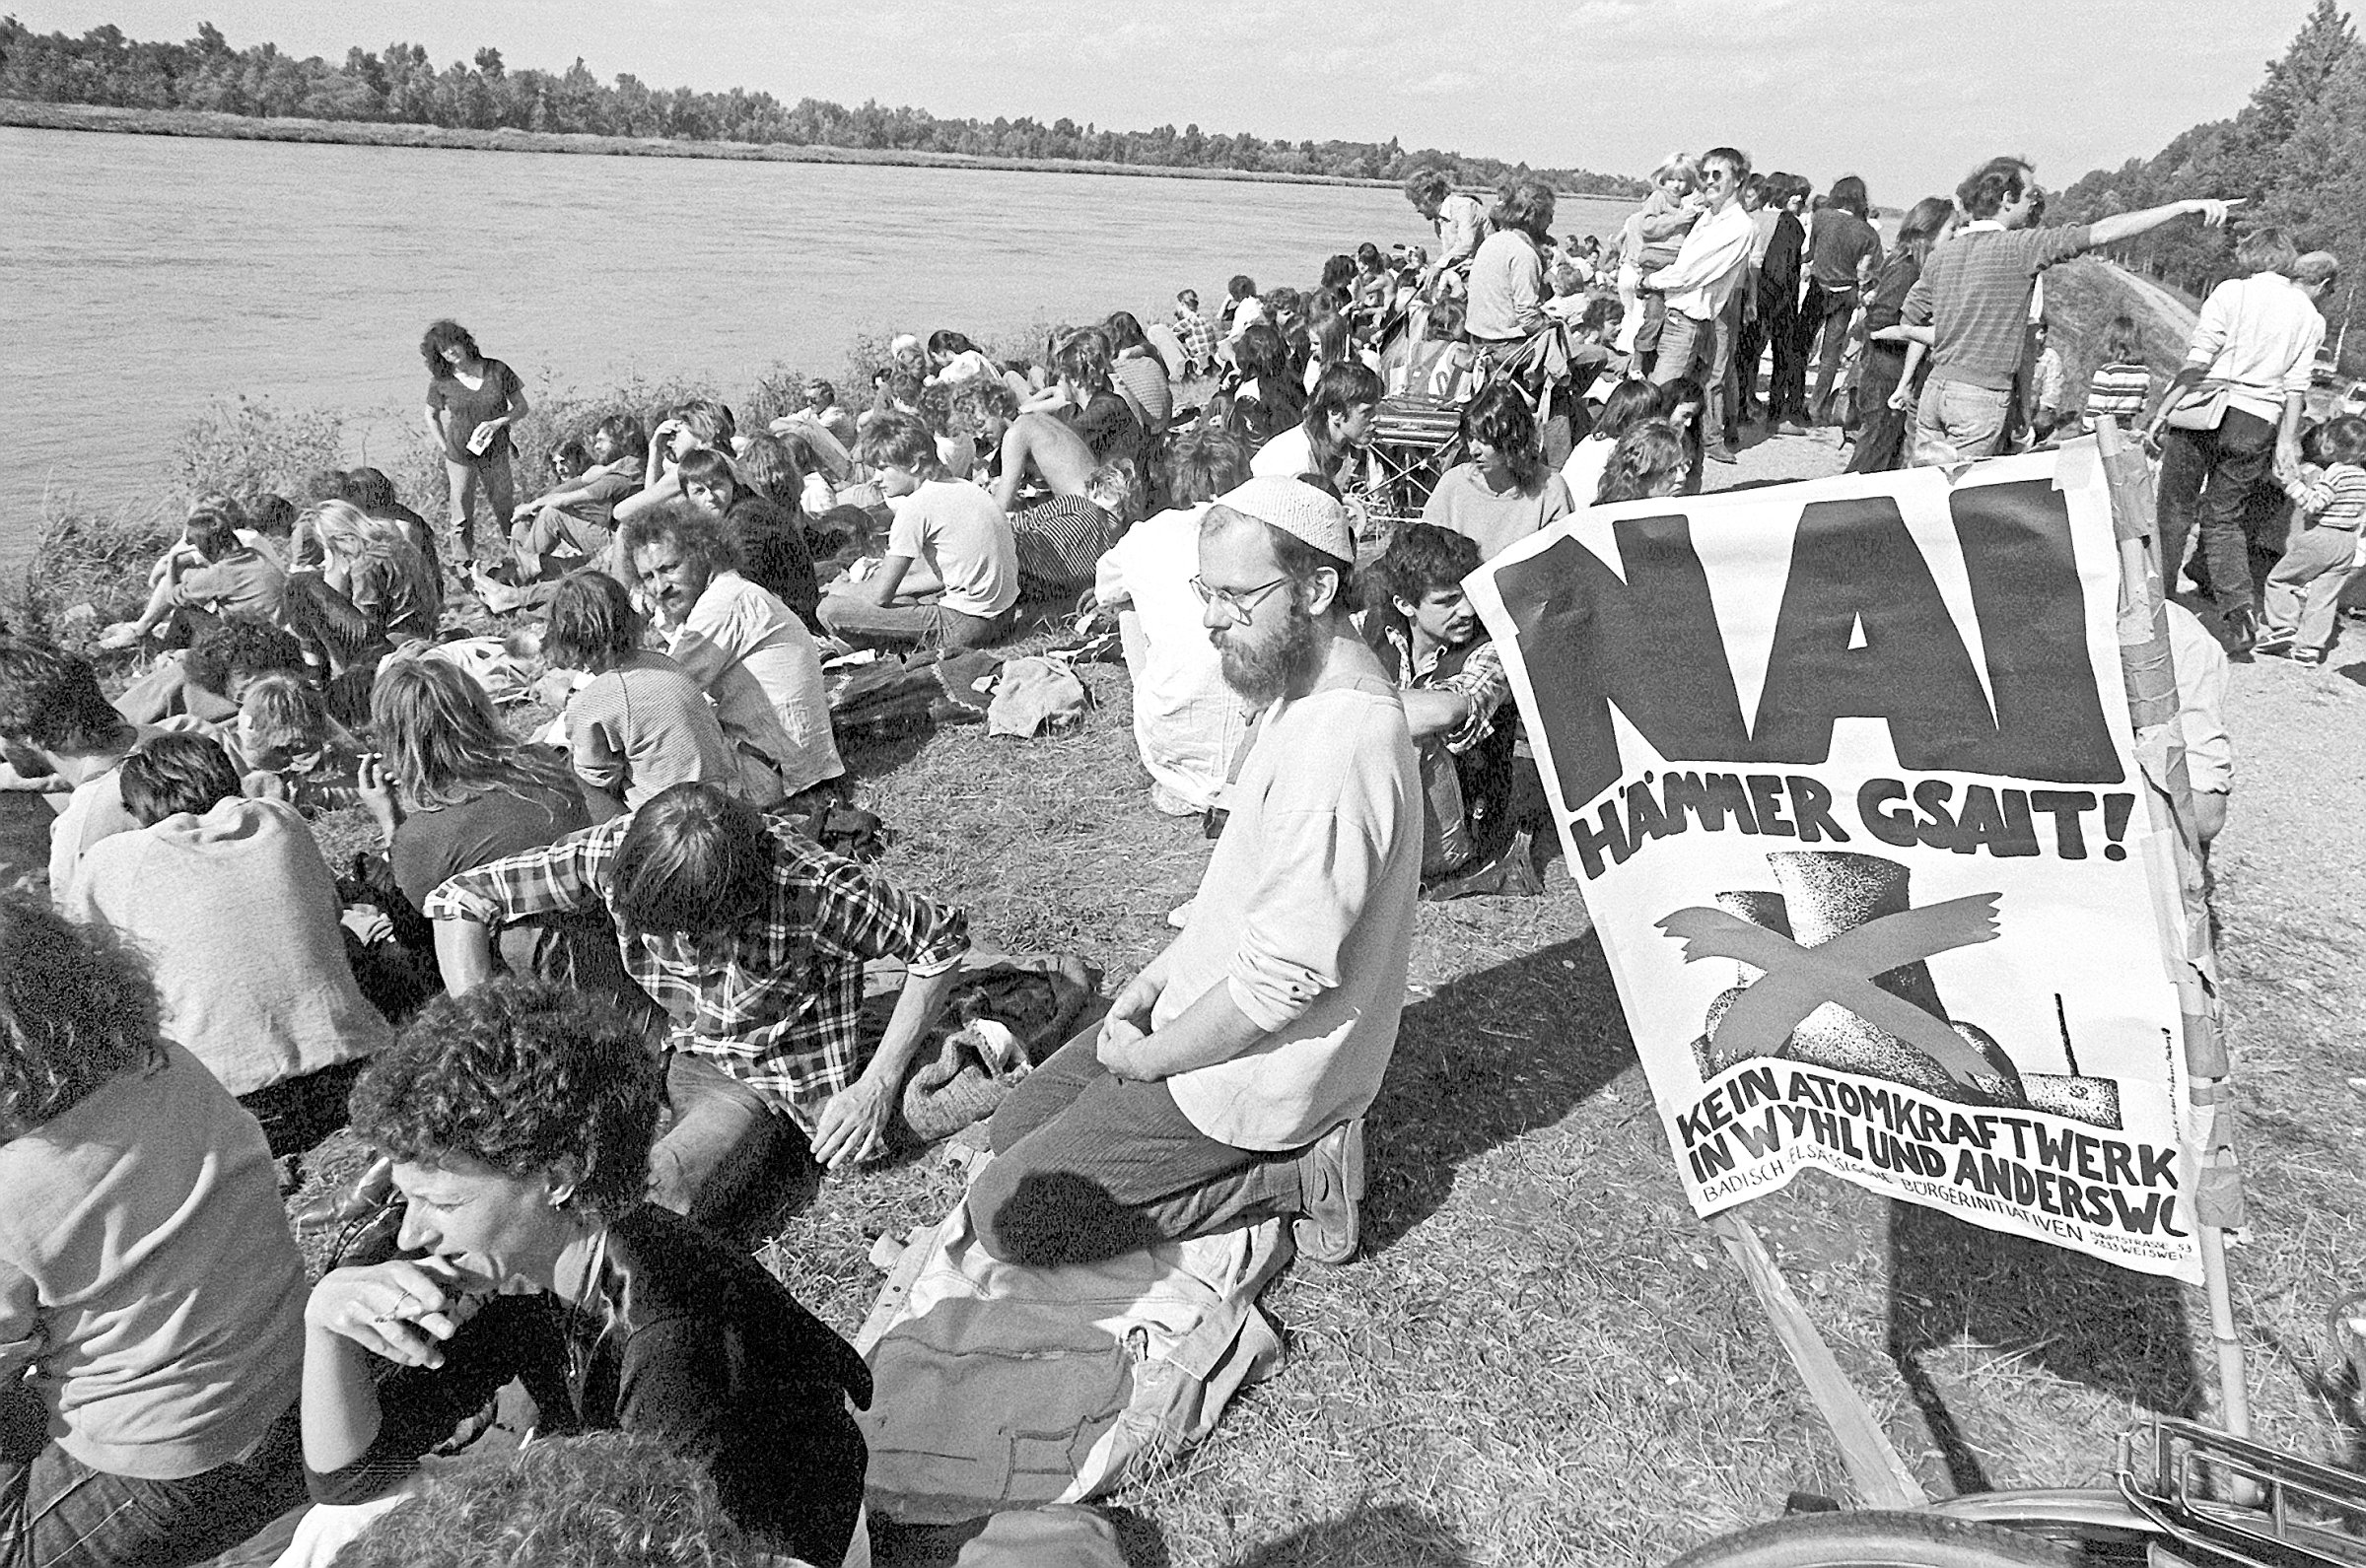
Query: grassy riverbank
[{"x": 355, "y": 133}]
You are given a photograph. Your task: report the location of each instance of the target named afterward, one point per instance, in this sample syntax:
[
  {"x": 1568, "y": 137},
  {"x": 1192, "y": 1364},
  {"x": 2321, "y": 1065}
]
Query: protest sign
[{"x": 1845, "y": 773}]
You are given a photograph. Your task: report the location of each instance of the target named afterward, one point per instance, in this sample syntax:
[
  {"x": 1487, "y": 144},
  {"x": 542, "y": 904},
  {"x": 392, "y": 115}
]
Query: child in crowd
[
  {"x": 2324, "y": 557},
  {"x": 1438, "y": 365},
  {"x": 639, "y": 725},
  {"x": 1373, "y": 287},
  {"x": 2122, "y": 385}
]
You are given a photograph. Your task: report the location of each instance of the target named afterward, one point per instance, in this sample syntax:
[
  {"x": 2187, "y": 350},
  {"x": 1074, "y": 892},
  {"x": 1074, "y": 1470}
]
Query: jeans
[
  {"x": 533, "y": 540},
  {"x": 927, "y": 625},
  {"x": 57, "y": 1512},
  {"x": 1956, "y": 422},
  {"x": 2230, "y": 460},
  {"x": 1089, "y": 1165},
  {"x": 730, "y": 1161},
  {"x": 488, "y": 477},
  {"x": 1786, "y": 381},
  {"x": 1832, "y": 311},
  {"x": 2305, "y": 588}
]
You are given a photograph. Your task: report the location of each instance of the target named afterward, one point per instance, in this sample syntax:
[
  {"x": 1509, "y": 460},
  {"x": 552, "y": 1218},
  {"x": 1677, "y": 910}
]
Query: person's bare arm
[
  {"x": 1903, "y": 399},
  {"x": 1210, "y": 1030},
  {"x": 853, "y": 1126},
  {"x": 879, "y": 587}
]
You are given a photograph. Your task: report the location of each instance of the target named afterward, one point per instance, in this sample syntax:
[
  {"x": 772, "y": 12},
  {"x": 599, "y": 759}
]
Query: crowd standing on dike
[{"x": 594, "y": 1001}]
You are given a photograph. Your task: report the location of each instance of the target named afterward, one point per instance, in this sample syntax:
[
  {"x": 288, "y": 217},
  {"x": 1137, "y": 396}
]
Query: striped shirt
[
  {"x": 2332, "y": 497},
  {"x": 1975, "y": 292},
  {"x": 2120, "y": 389},
  {"x": 774, "y": 1002},
  {"x": 645, "y": 727}
]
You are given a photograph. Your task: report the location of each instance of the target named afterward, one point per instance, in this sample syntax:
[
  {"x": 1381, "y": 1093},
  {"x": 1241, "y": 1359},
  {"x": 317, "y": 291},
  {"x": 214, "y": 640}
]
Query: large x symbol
[{"x": 1799, "y": 979}]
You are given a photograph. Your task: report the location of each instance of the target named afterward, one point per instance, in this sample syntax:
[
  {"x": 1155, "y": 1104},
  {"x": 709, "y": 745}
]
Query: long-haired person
[
  {"x": 372, "y": 588},
  {"x": 1506, "y": 490},
  {"x": 1844, "y": 254},
  {"x": 1266, "y": 400},
  {"x": 473, "y": 404},
  {"x": 1881, "y": 444},
  {"x": 1332, "y": 436},
  {"x": 151, "y": 1298}
]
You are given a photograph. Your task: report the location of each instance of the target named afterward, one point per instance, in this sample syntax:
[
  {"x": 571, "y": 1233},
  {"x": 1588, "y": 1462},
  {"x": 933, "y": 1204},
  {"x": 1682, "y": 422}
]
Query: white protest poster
[{"x": 1845, "y": 773}]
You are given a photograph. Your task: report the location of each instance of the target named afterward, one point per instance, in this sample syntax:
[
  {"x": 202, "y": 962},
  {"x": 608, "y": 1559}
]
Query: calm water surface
[{"x": 143, "y": 279}]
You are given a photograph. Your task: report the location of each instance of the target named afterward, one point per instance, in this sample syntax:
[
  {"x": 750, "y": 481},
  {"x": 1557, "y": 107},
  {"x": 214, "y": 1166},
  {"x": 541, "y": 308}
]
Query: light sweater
[
  {"x": 1710, "y": 265},
  {"x": 1493, "y": 519},
  {"x": 1305, "y": 915},
  {"x": 238, "y": 914},
  {"x": 147, "y": 1274},
  {"x": 1507, "y": 291},
  {"x": 2259, "y": 336}
]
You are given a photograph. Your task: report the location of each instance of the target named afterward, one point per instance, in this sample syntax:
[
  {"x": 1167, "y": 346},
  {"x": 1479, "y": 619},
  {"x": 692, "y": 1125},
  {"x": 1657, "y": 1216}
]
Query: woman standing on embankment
[{"x": 472, "y": 403}]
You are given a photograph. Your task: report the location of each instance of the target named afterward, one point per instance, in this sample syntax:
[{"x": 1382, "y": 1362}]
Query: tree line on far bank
[
  {"x": 2296, "y": 154},
  {"x": 401, "y": 86}
]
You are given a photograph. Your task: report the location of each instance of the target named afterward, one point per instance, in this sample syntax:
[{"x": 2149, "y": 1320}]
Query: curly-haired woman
[
  {"x": 151, "y": 1300},
  {"x": 472, "y": 404},
  {"x": 520, "y": 1120}
]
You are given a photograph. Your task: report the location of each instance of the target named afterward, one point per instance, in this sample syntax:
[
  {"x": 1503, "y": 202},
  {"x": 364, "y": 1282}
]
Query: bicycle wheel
[{"x": 1877, "y": 1540}]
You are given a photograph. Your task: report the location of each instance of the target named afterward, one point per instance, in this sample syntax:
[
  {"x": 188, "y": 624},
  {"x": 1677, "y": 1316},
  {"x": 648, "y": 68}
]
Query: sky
[{"x": 1909, "y": 93}]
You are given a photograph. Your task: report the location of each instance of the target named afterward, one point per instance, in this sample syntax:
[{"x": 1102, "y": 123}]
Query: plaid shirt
[
  {"x": 1196, "y": 335},
  {"x": 777, "y": 1008},
  {"x": 1475, "y": 670}
]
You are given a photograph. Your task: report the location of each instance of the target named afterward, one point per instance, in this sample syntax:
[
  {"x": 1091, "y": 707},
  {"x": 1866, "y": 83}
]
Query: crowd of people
[{"x": 594, "y": 996}]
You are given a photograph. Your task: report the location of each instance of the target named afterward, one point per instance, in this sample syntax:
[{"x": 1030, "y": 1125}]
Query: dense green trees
[
  {"x": 2296, "y": 154},
  {"x": 401, "y": 85}
]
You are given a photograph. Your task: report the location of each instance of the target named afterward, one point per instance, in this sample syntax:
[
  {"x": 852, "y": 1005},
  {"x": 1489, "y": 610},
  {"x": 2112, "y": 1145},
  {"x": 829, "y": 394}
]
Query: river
[{"x": 145, "y": 278}]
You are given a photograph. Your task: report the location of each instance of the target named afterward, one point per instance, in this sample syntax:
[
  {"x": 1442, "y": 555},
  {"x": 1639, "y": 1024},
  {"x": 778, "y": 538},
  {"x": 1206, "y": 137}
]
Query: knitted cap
[{"x": 1297, "y": 509}]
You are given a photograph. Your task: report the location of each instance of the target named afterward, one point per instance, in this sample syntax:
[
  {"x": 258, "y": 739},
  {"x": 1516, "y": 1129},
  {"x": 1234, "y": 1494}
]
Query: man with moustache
[{"x": 1229, "y": 1081}]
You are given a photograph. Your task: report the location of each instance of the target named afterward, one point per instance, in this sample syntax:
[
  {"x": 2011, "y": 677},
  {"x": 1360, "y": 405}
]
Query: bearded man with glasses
[{"x": 1229, "y": 1081}]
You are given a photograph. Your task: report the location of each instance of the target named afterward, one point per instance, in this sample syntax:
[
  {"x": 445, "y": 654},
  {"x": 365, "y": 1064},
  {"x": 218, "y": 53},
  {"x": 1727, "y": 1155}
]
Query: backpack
[{"x": 1001, "y": 1387}]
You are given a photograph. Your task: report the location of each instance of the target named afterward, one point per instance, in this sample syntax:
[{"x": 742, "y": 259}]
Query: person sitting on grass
[
  {"x": 701, "y": 422},
  {"x": 1506, "y": 490},
  {"x": 754, "y": 658},
  {"x": 1229, "y": 1081},
  {"x": 950, "y": 576},
  {"x": 823, "y": 409},
  {"x": 371, "y": 491},
  {"x": 639, "y": 725},
  {"x": 288, "y": 749},
  {"x": 773, "y": 551},
  {"x": 956, "y": 447},
  {"x": 753, "y": 938},
  {"x": 152, "y": 1327},
  {"x": 455, "y": 790},
  {"x": 1058, "y": 542},
  {"x": 209, "y": 680},
  {"x": 520, "y": 1119},
  {"x": 1188, "y": 725},
  {"x": 1651, "y": 459},
  {"x": 220, "y": 576},
  {"x": 579, "y": 514},
  {"x": 1090, "y": 403},
  {"x": 1195, "y": 332},
  {"x": 371, "y": 590},
  {"x": 1140, "y": 374},
  {"x": 54, "y": 722},
  {"x": 1266, "y": 400},
  {"x": 234, "y": 908},
  {"x": 1039, "y": 448},
  {"x": 1330, "y": 438},
  {"x": 1451, "y": 681}
]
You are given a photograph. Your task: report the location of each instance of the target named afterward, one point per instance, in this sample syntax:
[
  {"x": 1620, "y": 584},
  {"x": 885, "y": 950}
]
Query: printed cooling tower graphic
[{"x": 1830, "y": 972}]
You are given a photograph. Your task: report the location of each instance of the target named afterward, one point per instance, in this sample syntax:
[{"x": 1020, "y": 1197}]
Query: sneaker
[
  {"x": 1328, "y": 1229},
  {"x": 2304, "y": 655},
  {"x": 1722, "y": 454},
  {"x": 2273, "y": 642}
]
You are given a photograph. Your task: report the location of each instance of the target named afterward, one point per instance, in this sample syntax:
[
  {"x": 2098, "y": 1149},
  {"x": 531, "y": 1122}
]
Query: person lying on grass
[
  {"x": 753, "y": 939},
  {"x": 520, "y": 1120}
]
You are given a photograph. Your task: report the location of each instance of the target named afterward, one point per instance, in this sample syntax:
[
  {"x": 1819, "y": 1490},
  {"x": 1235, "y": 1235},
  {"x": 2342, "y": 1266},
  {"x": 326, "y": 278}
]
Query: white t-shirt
[
  {"x": 1286, "y": 456},
  {"x": 954, "y": 529},
  {"x": 1582, "y": 473},
  {"x": 1188, "y": 723},
  {"x": 757, "y": 661}
]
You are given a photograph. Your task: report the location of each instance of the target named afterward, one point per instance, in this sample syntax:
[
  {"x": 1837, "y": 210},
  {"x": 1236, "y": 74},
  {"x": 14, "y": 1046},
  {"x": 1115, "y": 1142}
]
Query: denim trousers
[
  {"x": 728, "y": 1161},
  {"x": 2206, "y": 477},
  {"x": 2305, "y": 588},
  {"x": 1956, "y": 422}
]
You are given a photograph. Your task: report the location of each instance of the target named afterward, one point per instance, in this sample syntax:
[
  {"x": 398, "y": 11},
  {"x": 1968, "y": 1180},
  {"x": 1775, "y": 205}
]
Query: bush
[
  {"x": 95, "y": 559},
  {"x": 245, "y": 448}
]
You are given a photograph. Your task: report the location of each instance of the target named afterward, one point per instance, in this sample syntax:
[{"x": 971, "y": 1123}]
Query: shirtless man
[{"x": 1059, "y": 455}]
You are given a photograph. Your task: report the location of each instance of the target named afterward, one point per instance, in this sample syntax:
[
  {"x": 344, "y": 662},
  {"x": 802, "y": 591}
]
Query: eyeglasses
[{"x": 1236, "y": 603}]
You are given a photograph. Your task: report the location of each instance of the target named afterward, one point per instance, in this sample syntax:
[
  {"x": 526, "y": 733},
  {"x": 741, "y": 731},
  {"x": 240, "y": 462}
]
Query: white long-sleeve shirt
[
  {"x": 1709, "y": 267},
  {"x": 2259, "y": 336}
]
